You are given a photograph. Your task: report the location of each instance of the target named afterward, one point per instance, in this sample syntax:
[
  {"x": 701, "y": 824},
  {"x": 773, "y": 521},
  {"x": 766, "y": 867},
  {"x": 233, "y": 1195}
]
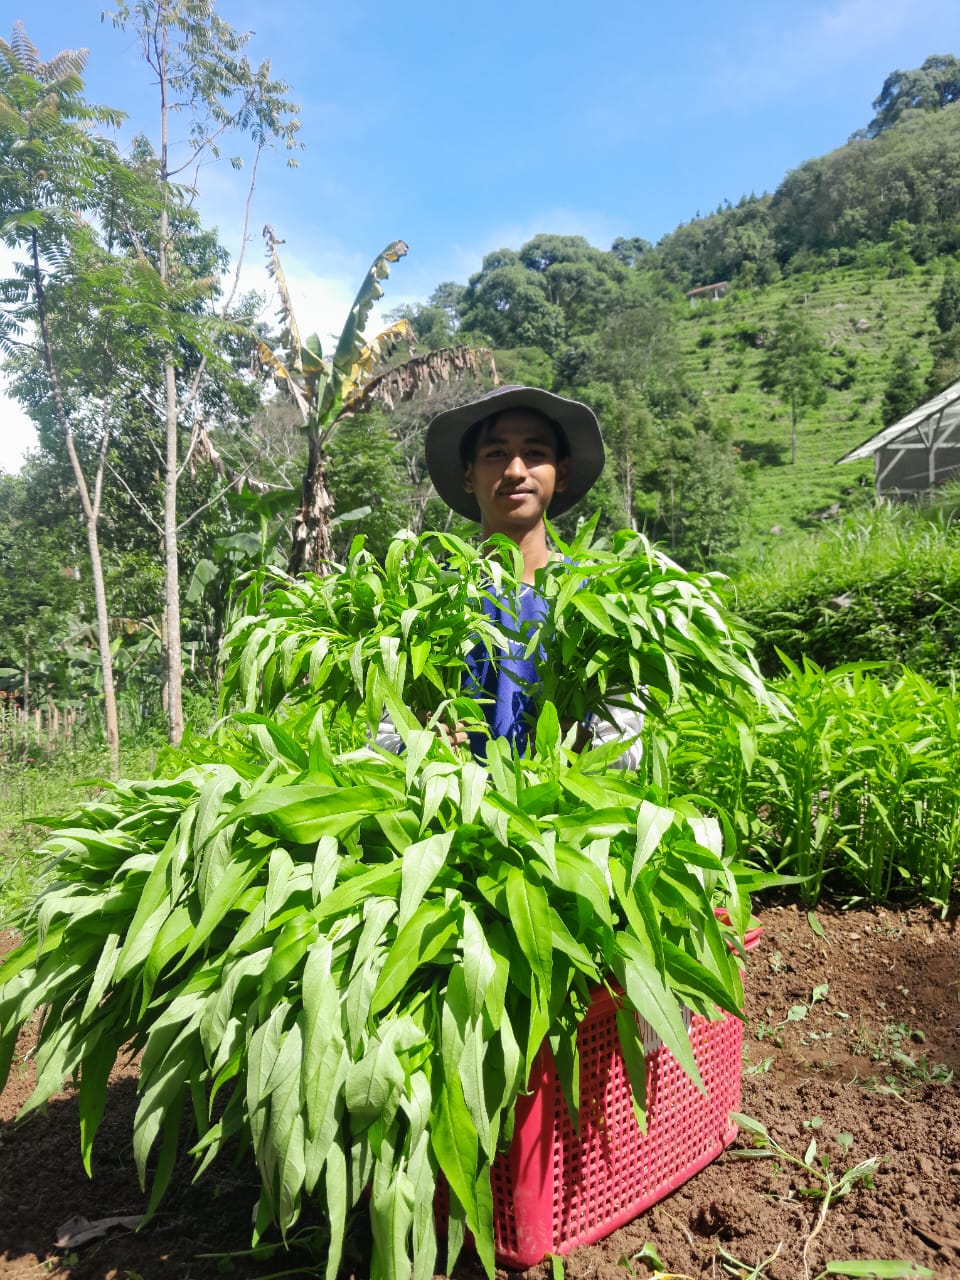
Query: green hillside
[
  {"x": 851, "y": 251},
  {"x": 864, "y": 318}
]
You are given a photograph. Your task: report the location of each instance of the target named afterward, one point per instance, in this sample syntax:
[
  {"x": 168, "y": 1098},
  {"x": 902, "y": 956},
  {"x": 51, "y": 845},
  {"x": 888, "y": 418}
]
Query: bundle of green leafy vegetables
[{"x": 347, "y": 961}]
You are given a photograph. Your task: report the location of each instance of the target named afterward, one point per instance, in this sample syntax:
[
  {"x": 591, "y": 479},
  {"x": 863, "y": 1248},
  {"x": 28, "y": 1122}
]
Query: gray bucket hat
[{"x": 577, "y": 421}]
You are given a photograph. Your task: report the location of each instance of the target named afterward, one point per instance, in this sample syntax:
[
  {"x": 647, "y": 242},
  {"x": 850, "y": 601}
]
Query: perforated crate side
[{"x": 554, "y": 1189}]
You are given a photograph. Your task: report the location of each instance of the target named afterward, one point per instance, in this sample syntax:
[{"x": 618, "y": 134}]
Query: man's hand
[{"x": 456, "y": 736}]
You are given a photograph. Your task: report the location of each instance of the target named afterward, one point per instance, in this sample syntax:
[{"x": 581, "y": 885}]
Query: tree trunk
[
  {"x": 171, "y": 556},
  {"x": 26, "y": 672},
  {"x": 793, "y": 427},
  {"x": 91, "y": 515},
  {"x": 311, "y": 550}
]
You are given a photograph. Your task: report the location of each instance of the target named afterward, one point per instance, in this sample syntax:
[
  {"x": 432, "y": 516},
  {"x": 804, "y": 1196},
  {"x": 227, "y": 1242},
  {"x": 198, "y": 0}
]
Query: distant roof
[
  {"x": 950, "y": 396},
  {"x": 708, "y": 288}
]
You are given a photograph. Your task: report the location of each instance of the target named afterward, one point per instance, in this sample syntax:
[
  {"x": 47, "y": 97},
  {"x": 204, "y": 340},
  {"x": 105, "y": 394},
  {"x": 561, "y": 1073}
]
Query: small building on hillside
[
  {"x": 917, "y": 453},
  {"x": 712, "y": 291}
]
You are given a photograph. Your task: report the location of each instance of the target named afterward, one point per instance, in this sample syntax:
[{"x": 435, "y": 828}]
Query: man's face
[{"x": 515, "y": 473}]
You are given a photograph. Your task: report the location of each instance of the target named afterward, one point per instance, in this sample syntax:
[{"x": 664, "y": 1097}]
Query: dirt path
[{"x": 850, "y": 1039}]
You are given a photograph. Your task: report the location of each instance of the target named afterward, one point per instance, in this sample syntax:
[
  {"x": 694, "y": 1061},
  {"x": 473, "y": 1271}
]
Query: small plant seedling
[
  {"x": 732, "y": 1266},
  {"x": 831, "y": 1189},
  {"x": 825, "y": 1185},
  {"x": 651, "y": 1260},
  {"x": 797, "y": 1012},
  {"x": 758, "y": 1068}
]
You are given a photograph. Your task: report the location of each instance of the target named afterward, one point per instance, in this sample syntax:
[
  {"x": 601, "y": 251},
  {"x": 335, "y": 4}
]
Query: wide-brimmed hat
[{"x": 577, "y": 421}]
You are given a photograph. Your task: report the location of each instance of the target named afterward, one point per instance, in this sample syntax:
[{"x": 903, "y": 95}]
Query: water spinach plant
[
  {"x": 858, "y": 789},
  {"x": 345, "y": 962}
]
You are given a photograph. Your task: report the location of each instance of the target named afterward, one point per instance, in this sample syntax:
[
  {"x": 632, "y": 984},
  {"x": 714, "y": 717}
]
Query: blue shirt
[{"x": 505, "y": 684}]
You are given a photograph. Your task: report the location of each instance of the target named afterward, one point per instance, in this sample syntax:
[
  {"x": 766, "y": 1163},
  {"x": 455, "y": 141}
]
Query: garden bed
[{"x": 849, "y": 1038}]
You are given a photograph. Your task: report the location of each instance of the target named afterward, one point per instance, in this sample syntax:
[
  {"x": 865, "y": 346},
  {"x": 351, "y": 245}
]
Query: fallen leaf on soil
[
  {"x": 942, "y": 1242},
  {"x": 78, "y": 1230}
]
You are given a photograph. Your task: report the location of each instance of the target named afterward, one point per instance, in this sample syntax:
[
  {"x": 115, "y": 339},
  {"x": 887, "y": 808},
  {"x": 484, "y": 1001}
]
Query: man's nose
[{"x": 515, "y": 465}]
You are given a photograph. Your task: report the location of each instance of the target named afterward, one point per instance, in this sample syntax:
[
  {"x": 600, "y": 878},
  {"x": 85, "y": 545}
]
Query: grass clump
[
  {"x": 41, "y": 779},
  {"x": 883, "y": 588}
]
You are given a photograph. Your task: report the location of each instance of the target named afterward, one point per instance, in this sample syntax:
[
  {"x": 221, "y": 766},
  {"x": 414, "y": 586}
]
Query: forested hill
[{"x": 838, "y": 298}]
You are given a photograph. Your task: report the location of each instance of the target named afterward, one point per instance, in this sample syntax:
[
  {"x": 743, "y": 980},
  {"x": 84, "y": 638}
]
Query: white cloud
[
  {"x": 861, "y": 23},
  {"x": 771, "y": 59},
  {"x": 17, "y": 434}
]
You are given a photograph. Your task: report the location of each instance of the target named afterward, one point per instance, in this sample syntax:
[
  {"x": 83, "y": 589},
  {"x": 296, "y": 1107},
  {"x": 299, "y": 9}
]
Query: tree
[
  {"x": 367, "y": 475},
  {"x": 330, "y": 390},
  {"x": 203, "y": 75},
  {"x": 555, "y": 288},
  {"x": 41, "y": 579},
  {"x": 946, "y": 360},
  {"x": 794, "y": 364},
  {"x": 946, "y": 308},
  {"x": 927, "y": 88},
  {"x": 711, "y": 498},
  {"x": 52, "y": 171},
  {"x": 904, "y": 388}
]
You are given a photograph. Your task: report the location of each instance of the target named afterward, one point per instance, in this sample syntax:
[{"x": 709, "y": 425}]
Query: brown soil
[{"x": 861, "y": 1069}]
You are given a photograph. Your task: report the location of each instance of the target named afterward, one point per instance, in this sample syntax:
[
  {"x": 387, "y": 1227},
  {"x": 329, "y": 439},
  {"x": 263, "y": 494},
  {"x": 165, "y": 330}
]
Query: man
[
  {"x": 511, "y": 457},
  {"x": 507, "y": 460}
]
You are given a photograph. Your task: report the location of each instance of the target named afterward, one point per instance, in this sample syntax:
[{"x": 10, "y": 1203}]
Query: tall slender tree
[
  {"x": 201, "y": 72},
  {"x": 795, "y": 365},
  {"x": 52, "y": 172}
]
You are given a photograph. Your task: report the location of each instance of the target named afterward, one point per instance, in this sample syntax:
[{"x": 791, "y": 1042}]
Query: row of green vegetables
[
  {"x": 855, "y": 792},
  {"x": 346, "y": 961}
]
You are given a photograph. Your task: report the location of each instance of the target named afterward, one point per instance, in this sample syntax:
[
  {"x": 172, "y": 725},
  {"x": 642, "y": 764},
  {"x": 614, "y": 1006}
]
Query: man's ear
[
  {"x": 468, "y": 479},
  {"x": 563, "y": 472}
]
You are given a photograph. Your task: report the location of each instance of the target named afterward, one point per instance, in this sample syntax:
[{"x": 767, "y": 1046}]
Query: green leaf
[
  {"x": 881, "y": 1269},
  {"x": 432, "y": 926},
  {"x": 473, "y": 784},
  {"x": 530, "y": 919},
  {"x": 478, "y": 964},
  {"x": 95, "y": 1068},
  {"x": 392, "y": 1204},
  {"x": 305, "y": 812},
  {"x": 635, "y": 1060},
  {"x": 749, "y": 1125},
  {"x": 595, "y": 609},
  {"x": 463, "y": 1053},
  {"x": 285, "y": 1129},
  {"x": 649, "y": 996},
  {"x": 373, "y": 1084},
  {"x": 337, "y": 1204},
  {"x": 424, "y": 1181},
  {"x": 653, "y": 822},
  {"x": 422, "y": 863}
]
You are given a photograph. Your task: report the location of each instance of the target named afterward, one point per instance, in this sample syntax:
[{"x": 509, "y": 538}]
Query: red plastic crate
[{"x": 554, "y": 1189}]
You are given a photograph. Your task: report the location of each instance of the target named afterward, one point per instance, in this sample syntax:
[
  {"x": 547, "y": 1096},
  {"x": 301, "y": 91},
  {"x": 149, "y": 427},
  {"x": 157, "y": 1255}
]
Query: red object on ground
[{"x": 554, "y": 1189}]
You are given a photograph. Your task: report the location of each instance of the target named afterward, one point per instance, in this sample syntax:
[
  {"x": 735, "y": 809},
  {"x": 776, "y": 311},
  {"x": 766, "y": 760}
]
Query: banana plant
[{"x": 326, "y": 390}]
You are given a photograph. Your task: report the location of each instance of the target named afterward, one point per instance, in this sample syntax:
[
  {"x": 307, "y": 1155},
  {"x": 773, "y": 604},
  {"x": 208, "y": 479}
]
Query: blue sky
[{"x": 466, "y": 129}]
